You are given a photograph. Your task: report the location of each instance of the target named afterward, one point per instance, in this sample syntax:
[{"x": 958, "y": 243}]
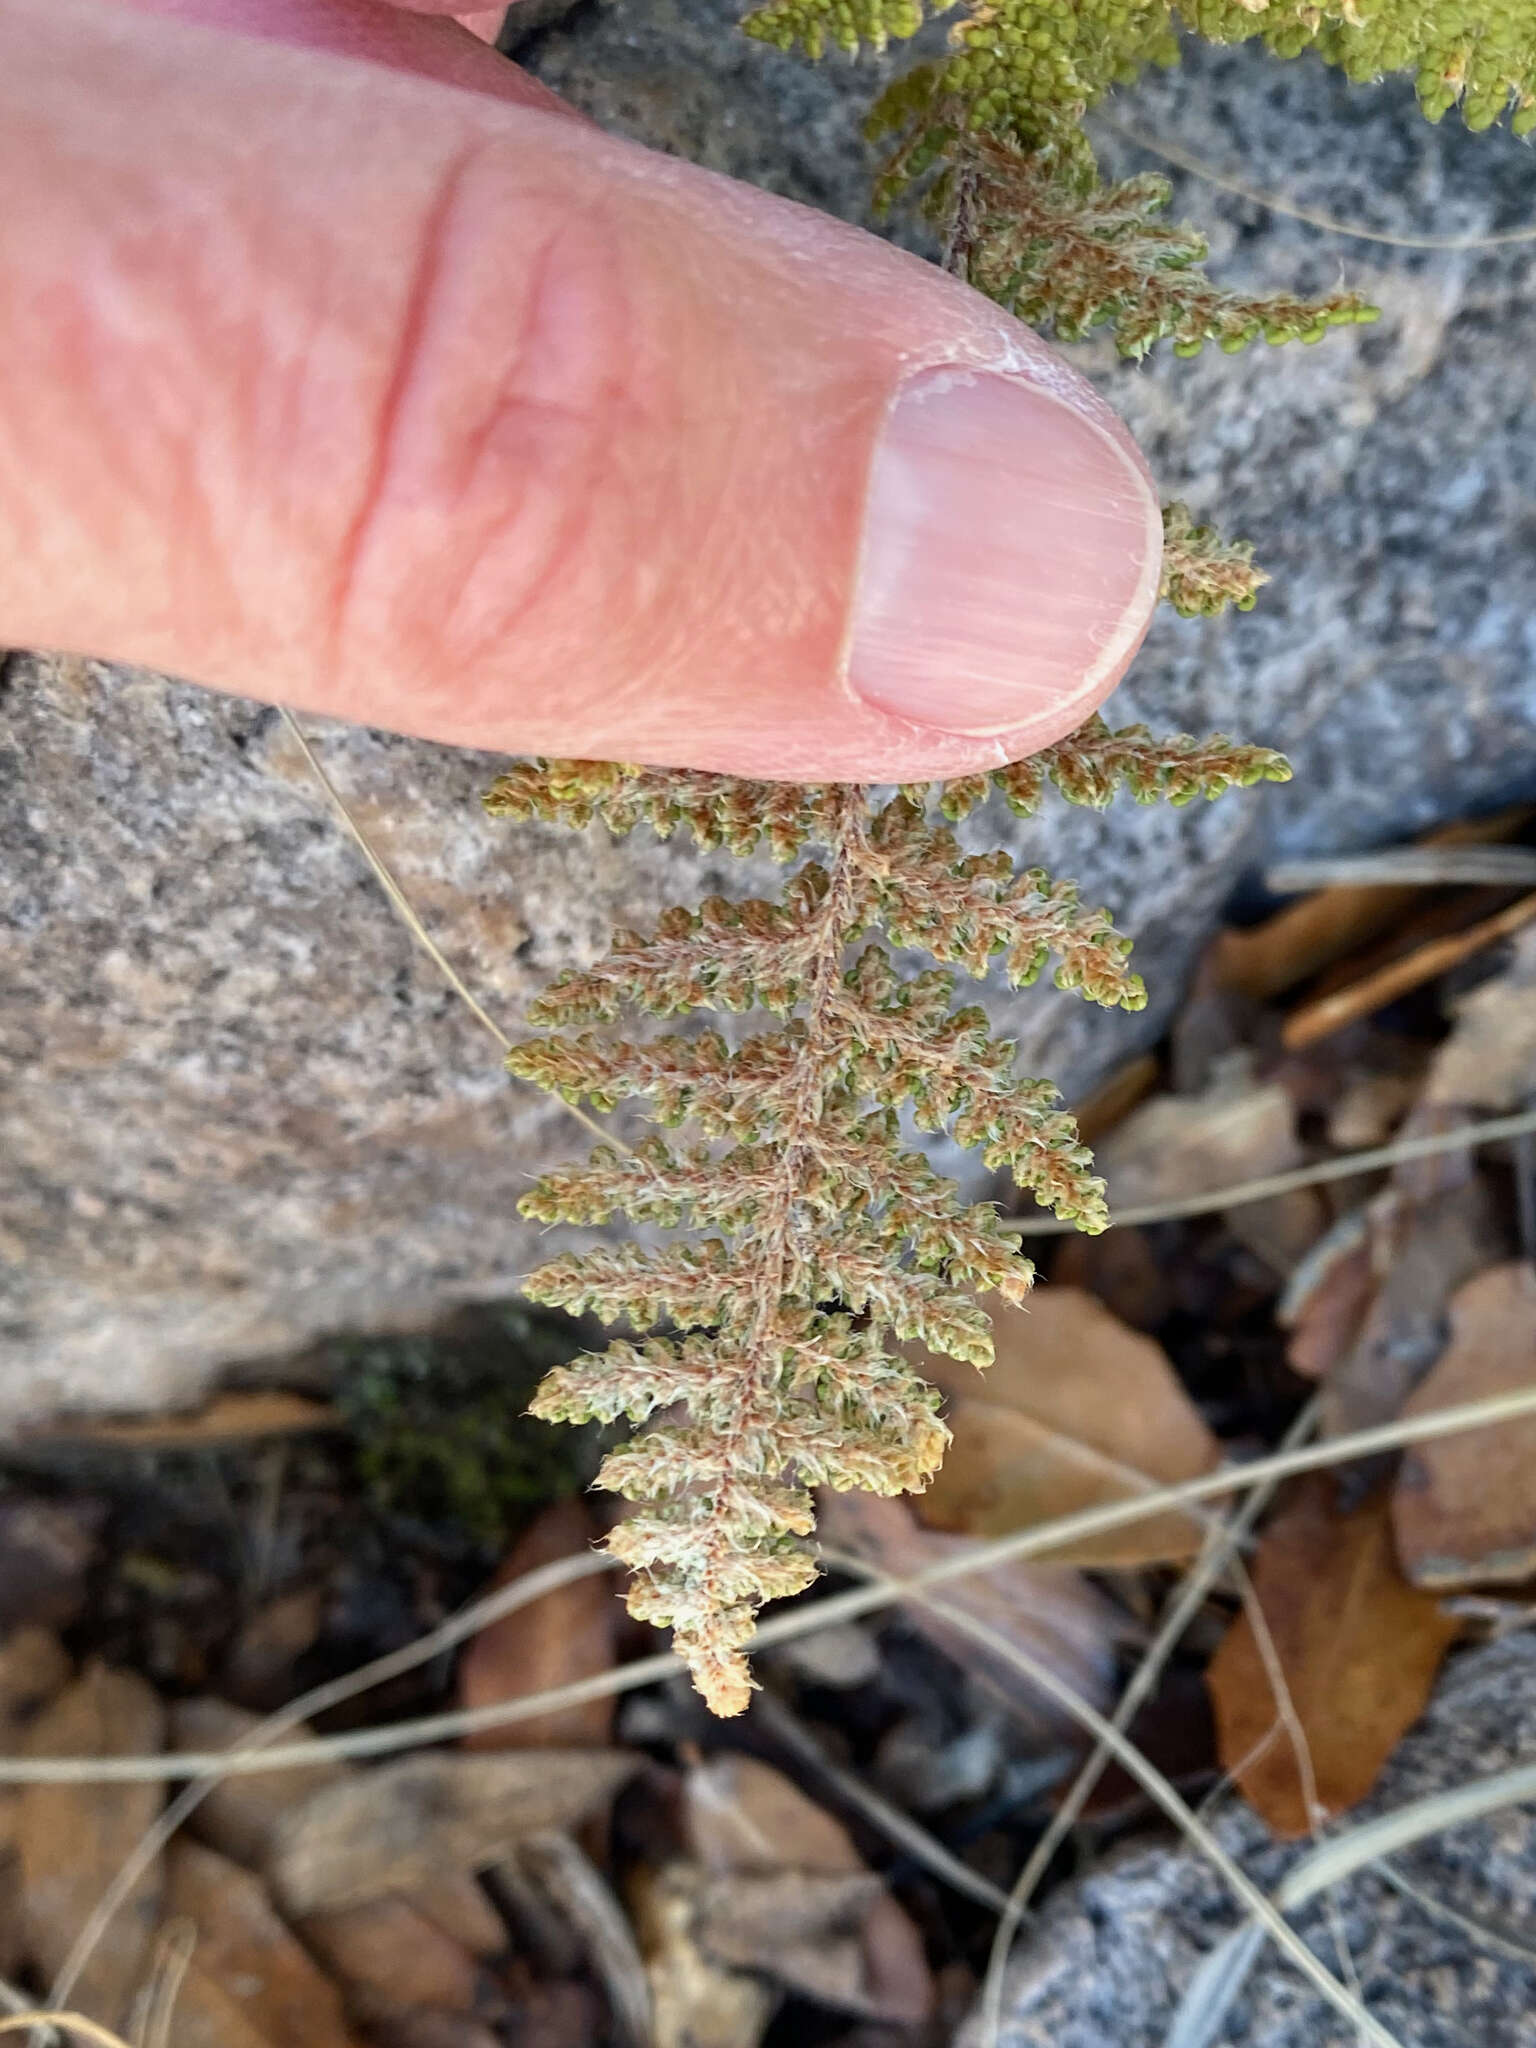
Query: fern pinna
[{"x": 803, "y": 1237}]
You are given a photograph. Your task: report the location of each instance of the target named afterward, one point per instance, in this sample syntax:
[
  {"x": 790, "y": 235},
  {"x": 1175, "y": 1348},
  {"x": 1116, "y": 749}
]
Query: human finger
[{"x": 430, "y": 409}]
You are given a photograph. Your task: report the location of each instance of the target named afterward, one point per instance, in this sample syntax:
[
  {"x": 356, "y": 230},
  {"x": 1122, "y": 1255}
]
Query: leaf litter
[{"x": 647, "y": 1879}]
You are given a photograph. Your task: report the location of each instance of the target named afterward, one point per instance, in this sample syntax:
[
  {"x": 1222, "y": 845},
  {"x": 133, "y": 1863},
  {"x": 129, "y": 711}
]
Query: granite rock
[
  {"x": 241, "y": 1110},
  {"x": 1111, "y": 1955}
]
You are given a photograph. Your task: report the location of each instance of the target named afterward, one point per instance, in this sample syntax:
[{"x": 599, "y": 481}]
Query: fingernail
[{"x": 1010, "y": 558}]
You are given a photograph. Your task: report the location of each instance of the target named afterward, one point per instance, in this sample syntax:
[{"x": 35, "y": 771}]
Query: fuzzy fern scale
[{"x": 808, "y": 1241}]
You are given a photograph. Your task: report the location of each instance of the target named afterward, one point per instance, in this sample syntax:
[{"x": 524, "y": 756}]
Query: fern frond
[{"x": 808, "y": 1242}]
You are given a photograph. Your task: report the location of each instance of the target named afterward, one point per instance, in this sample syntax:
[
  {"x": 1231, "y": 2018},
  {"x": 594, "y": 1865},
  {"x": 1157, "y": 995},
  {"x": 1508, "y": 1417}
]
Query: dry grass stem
[
  {"x": 1276, "y": 202},
  {"x": 1464, "y": 1138},
  {"x": 64, "y": 2022}
]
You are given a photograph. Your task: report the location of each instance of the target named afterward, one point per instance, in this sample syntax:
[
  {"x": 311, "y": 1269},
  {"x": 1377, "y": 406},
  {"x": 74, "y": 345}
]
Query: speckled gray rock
[
  {"x": 1111, "y": 1956},
  {"x": 241, "y": 1111}
]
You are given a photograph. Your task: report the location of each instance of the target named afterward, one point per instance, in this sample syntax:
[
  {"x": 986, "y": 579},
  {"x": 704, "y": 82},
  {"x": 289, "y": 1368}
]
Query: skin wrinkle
[
  {"x": 431, "y": 256},
  {"x": 564, "y": 385}
]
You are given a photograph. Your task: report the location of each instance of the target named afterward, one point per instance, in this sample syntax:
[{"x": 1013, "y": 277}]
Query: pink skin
[{"x": 346, "y": 367}]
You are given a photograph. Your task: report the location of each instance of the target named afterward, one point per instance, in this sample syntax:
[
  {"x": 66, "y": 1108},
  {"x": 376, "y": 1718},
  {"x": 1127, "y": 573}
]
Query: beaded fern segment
[
  {"x": 810, "y": 1240},
  {"x": 1479, "y": 55}
]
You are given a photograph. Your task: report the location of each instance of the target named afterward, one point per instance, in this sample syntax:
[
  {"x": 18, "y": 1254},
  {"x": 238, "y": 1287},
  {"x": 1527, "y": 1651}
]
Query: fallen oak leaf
[
  {"x": 391, "y": 1961},
  {"x": 567, "y": 1635},
  {"x": 247, "y": 1955},
  {"x": 396, "y": 1829},
  {"x": 408, "y": 1967},
  {"x": 1328, "y": 1298},
  {"x": 1423, "y": 1249},
  {"x": 241, "y": 1817},
  {"x": 1076, "y": 1410},
  {"x": 846, "y": 1944},
  {"x": 1050, "y": 1611},
  {"x": 695, "y": 2001},
  {"x": 1464, "y": 1509},
  {"x": 1359, "y": 1648},
  {"x": 1176, "y": 1146},
  {"x": 233, "y": 1418}
]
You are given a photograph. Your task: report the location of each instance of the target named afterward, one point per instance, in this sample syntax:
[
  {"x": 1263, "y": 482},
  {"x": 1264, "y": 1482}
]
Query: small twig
[
  {"x": 1325, "y": 1015},
  {"x": 1464, "y": 1138},
  {"x": 173, "y": 1959},
  {"x": 1420, "y": 866},
  {"x": 1040, "y": 1538}
]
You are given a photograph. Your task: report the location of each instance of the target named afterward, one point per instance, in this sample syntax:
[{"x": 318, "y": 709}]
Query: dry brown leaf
[
  {"x": 456, "y": 1902},
  {"x": 241, "y": 1817},
  {"x": 1113, "y": 1100},
  {"x": 804, "y": 1928},
  {"x": 1423, "y": 1250},
  {"x": 1303, "y": 938},
  {"x": 425, "y": 2026},
  {"x": 1329, "y": 1296},
  {"x": 1077, "y": 1410},
  {"x": 34, "y": 1668},
  {"x": 206, "y": 2015},
  {"x": 1464, "y": 1508},
  {"x": 396, "y": 1828},
  {"x": 228, "y": 1418},
  {"x": 247, "y": 1955},
  {"x": 1049, "y": 1611},
  {"x": 13, "y": 1933},
  {"x": 258, "y": 1671},
  {"x": 567, "y": 1635},
  {"x": 73, "y": 1839},
  {"x": 1369, "y": 1109},
  {"x": 389, "y": 1958},
  {"x": 1359, "y": 1647},
  {"x": 1489, "y": 1061},
  {"x": 1181, "y": 1145},
  {"x": 695, "y": 2001},
  {"x": 747, "y": 1821}
]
